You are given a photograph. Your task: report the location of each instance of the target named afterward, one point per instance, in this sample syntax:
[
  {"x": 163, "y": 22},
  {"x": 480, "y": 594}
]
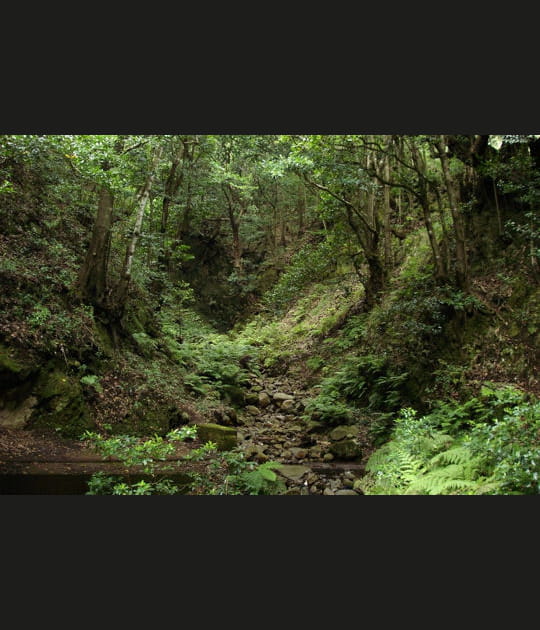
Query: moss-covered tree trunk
[
  {"x": 92, "y": 281},
  {"x": 462, "y": 264}
]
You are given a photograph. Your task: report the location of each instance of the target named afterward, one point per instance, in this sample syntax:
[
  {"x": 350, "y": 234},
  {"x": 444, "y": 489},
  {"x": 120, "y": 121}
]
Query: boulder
[
  {"x": 342, "y": 432},
  {"x": 225, "y": 437},
  {"x": 251, "y": 398},
  {"x": 293, "y": 472},
  {"x": 346, "y": 449}
]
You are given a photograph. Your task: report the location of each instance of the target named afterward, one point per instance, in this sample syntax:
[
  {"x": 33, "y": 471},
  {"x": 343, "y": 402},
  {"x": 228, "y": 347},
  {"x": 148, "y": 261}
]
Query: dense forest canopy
[{"x": 394, "y": 278}]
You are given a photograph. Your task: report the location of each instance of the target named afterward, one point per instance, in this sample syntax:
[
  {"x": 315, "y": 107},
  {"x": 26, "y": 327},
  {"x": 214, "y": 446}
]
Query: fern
[
  {"x": 409, "y": 466},
  {"x": 379, "y": 457},
  {"x": 443, "y": 480},
  {"x": 457, "y": 455}
]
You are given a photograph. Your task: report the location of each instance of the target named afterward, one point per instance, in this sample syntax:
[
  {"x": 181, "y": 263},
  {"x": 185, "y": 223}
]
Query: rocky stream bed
[{"x": 314, "y": 458}]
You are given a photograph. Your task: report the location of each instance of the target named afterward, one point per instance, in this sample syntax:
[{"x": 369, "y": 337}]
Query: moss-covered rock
[
  {"x": 61, "y": 405},
  {"x": 225, "y": 437},
  {"x": 14, "y": 370},
  {"x": 346, "y": 449}
]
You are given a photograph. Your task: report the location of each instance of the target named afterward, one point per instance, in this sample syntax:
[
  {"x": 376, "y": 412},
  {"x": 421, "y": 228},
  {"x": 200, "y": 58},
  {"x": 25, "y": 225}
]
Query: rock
[
  {"x": 350, "y": 493},
  {"x": 315, "y": 452},
  {"x": 13, "y": 370},
  {"x": 252, "y": 410},
  {"x": 234, "y": 395},
  {"x": 328, "y": 457},
  {"x": 61, "y": 406},
  {"x": 328, "y": 492},
  {"x": 264, "y": 400},
  {"x": 251, "y": 398},
  {"x": 342, "y": 432},
  {"x": 299, "y": 453},
  {"x": 346, "y": 449},
  {"x": 357, "y": 486},
  {"x": 314, "y": 427},
  {"x": 256, "y": 388},
  {"x": 225, "y": 437},
  {"x": 255, "y": 452},
  {"x": 348, "y": 483},
  {"x": 15, "y": 416},
  {"x": 293, "y": 472},
  {"x": 288, "y": 406},
  {"x": 280, "y": 396}
]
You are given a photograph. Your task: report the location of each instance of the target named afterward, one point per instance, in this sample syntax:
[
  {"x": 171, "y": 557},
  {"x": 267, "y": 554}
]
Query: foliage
[
  {"x": 92, "y": 381},
  {"x": 310, "y": 264},
  {"x": 365, "y": 382},
  {"x": 489, "y": 445},
  {"x": 510, "y": 448},
  {"x": 229, "y": 473},
  {"x": 218, "y": 364}
]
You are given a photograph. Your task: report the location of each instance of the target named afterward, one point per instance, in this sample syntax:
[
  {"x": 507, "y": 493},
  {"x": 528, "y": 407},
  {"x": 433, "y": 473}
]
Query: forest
[{"x": 337, "y": 315}]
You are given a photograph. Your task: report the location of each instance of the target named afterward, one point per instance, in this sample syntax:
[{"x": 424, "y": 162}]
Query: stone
[
  {"x": 342, "y": 432},
  {"x": 225, "y": 437},
  {"x": 264, "y": 400},
  {"x": 346, "y": 449},
  {"x": 328, "y": 492},
  {"x": 299, "y": 453},
  {"x": 252, "y": 410},
  {"x": 357, "y": 486},
  {"x": 17, "y": 416},
  {"x": 251, "y": 398},
  {"x": 255, "y": 452},
  {"x": 315, "y": 452},
  {"x": 314, "y": 427},
  {"x": 293, "y": 472},
  {"x": 328, "y": 457},
  {"x": 280, "y": 396},
  {"x": 350, "y": 493},
  {"x": 288, "y": 406}
]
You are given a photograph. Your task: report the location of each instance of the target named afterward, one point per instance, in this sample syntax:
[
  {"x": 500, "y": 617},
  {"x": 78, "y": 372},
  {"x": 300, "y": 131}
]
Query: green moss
[
  {"x": 13, "y": 369},
  {"x": 61, "y": 405},
  {"x": 224, "y": 437},
  {"x": 104, "y": 339}
]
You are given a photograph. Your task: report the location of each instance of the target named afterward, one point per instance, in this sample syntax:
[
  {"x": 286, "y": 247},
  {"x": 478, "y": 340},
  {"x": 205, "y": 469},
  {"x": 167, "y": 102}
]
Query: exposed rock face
[{"x": 15, "y": 416}]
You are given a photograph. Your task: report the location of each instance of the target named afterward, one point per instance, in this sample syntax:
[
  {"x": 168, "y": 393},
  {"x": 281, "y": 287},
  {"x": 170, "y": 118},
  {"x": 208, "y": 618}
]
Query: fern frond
[
  {"x": 432, "y": 483},
  {"x": 380, "y": 457},
  {"x": 488, "y": 486},
  {"x": 456, "y": 455},
  {"x": 409, "y": 466}
]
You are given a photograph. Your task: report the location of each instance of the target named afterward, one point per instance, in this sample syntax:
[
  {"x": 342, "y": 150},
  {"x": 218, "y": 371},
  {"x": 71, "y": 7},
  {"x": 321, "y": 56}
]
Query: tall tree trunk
[
  {"x": 457, "y": 218},
  {"x": 386, "y": 218},
  {"x": 172, "y": 184},
  {"x": 301, "y": 207},
  {"x": 235, "y": 226},
  {"x": 125, "y": 279},
  {"x": 92, "y": 281},
  {"x": 420, "y": 167}
]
